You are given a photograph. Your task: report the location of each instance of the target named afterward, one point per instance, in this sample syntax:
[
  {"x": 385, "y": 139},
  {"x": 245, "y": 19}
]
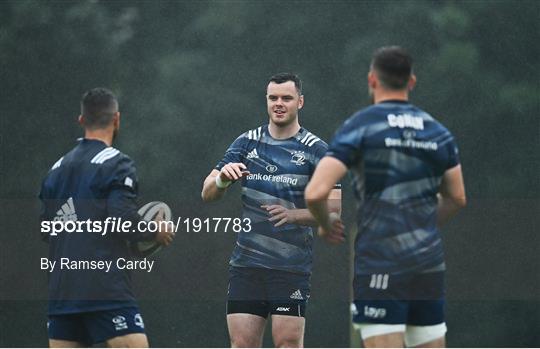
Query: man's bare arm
[
  {"x": 217, "y": 182},
  {"x": 328, "y": 172},
  {"x": 281, "y": 215},
  {"x": 451, "y": 197}
]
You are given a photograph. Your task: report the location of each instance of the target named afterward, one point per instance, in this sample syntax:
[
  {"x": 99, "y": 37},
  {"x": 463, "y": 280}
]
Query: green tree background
[{"x": 191, "y": 77}]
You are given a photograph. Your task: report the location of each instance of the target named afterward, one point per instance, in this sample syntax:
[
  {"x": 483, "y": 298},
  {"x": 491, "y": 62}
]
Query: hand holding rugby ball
[{"x": 154, "y": 211}]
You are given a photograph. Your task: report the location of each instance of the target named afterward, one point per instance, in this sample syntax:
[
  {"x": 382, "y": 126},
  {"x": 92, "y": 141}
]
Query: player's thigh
[
  {"x": 134, "y": 340},
  {"x": 288, "y": 331},
  {"x": 390, "y": 340},
  {"x": 245, "y": 330},
  {"x": 122, "y": 327}
]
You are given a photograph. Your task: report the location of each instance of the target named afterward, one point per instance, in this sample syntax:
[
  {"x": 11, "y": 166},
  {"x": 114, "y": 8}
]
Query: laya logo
[
  {"x": 298, "y": 158},
  {"x": 374, "y": 313},
  {"x": 271, "y": 168}
]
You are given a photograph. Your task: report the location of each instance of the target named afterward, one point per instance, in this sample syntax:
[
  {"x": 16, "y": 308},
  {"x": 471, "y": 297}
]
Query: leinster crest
[{"x": 298, "y": 158}]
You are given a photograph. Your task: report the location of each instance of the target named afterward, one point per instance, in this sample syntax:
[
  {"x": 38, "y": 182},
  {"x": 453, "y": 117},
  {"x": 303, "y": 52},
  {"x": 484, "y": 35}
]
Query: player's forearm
[
  {"x": 448, "y": 207},
  {"x": 319, "y": 211},
  {"x": 304, "y": 217},
  {"x": 210, "y": 191}
]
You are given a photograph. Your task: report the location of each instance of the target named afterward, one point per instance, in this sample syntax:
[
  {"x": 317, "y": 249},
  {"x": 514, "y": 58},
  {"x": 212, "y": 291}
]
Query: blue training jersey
[
  {"x": 91, "y": 182},
  {"x": 397, "y": 155},
  {"x": 279, "y": 172}
]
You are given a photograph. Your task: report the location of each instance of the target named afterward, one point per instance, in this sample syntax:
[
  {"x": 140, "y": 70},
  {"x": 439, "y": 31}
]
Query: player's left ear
[
  {"x": 301, "y": 102},
  {"x": 411, "y": 83},
  {"x": 81, "y": 120}
]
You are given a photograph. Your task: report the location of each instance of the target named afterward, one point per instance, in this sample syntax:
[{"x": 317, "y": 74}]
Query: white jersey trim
[
  {"x": 57, "y": 163},
  {"x": 309, "y": 139},
  {"x": 104, "y": 155},
  {"x": 255, "y": 134}
]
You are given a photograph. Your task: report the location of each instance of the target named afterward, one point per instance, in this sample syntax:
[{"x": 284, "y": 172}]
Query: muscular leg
[
  {"x": 288, "y": 331},
  {"x": 133, "y": 340},
  {"x": 390, "y": 340},
  {"x": 59, "y": 343},
  {"x": 246, "y": 330}
]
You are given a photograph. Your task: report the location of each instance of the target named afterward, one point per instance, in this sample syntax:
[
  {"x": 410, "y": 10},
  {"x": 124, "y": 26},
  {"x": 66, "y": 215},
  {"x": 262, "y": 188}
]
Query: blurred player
[
  {"x": 270, "y": 266},
  {"x": 407, "y": 180},
  {"x": 94, "y": 181}
]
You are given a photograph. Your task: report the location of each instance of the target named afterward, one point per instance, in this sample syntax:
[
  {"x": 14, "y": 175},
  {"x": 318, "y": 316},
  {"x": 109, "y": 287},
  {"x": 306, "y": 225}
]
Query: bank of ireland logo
[
  {"x": 298, "y": 158},
  {"x": 271, "y": 168}
]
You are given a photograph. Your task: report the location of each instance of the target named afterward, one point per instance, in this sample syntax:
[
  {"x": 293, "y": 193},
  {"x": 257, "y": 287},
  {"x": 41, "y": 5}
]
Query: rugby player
[
  {"x": 270, "y": 266},
  {"x": 407, "y": 180},
  {"x": 94, "y": 181}
]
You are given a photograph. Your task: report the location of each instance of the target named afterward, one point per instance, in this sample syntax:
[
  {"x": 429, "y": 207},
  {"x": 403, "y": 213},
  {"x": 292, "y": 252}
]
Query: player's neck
[
  {"x": 283, "y": 132},
  {"x": 386, "y": 95},
  {"x": 106, "y": 136}
]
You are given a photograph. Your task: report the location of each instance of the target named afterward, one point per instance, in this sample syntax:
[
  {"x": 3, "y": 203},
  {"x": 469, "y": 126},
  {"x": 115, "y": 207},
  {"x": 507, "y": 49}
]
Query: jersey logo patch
[
  {"x": 296, "y": 295},
  {"x": 405, "y": 120},
  {"x": 252, "y": 154},
  {"x": 119, "y": 323},
  {"x": 271, "y": 168},
  {"x": 298, "y": 158},
  {"x": 138, "y": 320},
  {"x": 128, "y": 182},
  {"x": 379, "y": 281},
  {"x": 374, "y": 313},
  {"x": 66, "y": 212}
]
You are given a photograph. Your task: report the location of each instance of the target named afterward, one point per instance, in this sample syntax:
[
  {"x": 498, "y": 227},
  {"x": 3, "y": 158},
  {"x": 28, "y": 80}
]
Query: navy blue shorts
[
  {"x": 95, "y": 327},
  {"x": 261, "y": 291},
  {"x": 412, "y": 299}
]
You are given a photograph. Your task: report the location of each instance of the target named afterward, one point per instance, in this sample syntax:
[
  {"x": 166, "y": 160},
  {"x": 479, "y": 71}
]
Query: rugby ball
[{"x": 148, "y": 212}]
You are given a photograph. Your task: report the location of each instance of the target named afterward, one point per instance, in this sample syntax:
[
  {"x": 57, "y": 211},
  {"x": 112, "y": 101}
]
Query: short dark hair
[
  {"x": 98, "y": 106},
  {"x": 284, "y": 77},
  {"x": 393, "y": 66}
]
